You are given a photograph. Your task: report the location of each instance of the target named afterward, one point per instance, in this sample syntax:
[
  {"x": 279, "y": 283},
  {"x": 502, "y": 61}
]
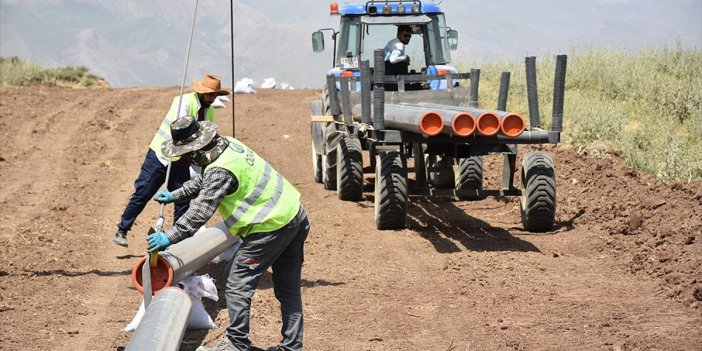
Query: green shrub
[
  {"x": 15, "y": 71},
  {"x": 646, "y": 104}
]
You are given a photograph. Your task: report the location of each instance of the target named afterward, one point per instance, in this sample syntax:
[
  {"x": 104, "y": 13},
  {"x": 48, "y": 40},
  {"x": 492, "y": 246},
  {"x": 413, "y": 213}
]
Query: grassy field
[
  {"x": 15, "y": 71},
  {"x": 645, "y": 105}
]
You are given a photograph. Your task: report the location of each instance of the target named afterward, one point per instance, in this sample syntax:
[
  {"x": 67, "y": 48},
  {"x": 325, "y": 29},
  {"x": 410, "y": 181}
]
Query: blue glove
[
  {"x": 157, "y": 242},
  {"x": 164, "y": 197}
]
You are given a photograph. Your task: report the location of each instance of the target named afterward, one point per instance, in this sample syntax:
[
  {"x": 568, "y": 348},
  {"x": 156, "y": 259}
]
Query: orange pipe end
[
  {"x": 431, "y": 123},
  {"x": 488, "y": 124},
  {"x": 512, "y": 125},
  {"x": 161, "y": 275},
  {"x": 463, "y": 124}
]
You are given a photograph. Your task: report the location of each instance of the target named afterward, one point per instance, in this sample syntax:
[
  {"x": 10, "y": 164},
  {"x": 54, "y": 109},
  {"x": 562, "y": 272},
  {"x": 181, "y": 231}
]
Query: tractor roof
[{"x": 360, "y": 9}]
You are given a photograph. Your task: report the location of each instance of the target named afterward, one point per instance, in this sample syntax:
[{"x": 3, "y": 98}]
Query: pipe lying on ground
[
  {"x": 184, "y": 258},
  {"x": 411, "y": 118},
  {"x": 164, "y": 322}
]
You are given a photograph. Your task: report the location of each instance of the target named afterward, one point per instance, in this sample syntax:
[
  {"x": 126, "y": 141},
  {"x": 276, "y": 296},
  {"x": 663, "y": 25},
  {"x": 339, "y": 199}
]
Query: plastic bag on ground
[
  {"x": 244, "y": 86},
  {"x": 197, "y": 287},
  {"x": 268, "y": 83}
]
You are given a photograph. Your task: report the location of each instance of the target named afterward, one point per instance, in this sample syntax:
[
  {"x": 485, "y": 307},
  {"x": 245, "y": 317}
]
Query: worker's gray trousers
[{"x": 283, "y": 250}]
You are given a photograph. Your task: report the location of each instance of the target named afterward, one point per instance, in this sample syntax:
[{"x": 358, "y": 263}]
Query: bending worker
[
  {"x": 257, "y": 204},
  {"x": 153, "y": 170}
]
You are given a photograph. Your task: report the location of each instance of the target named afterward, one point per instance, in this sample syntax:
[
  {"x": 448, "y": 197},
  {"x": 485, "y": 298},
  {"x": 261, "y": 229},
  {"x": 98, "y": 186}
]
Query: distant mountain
[{"x": 143, "y": 43}]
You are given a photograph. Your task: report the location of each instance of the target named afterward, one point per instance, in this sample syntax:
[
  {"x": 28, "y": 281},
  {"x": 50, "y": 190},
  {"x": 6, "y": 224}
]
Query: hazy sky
[{"x": 142, "y": 43}]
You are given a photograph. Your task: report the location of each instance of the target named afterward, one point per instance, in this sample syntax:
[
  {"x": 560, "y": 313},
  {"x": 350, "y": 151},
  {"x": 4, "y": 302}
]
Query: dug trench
[{"x": 622, "y": 270}]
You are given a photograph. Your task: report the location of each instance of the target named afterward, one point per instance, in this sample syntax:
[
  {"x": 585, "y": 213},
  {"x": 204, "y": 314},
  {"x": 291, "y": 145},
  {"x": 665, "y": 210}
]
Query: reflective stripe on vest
[
  {"x": 164, "y": 130},
  {"x": 265, "y": 201}
]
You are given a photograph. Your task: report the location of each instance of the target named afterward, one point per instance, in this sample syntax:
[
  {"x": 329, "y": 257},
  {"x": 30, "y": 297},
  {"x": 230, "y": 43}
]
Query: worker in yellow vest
[
  {"x": 258, "y": 204},
  {"x": 197, "y": 105}
]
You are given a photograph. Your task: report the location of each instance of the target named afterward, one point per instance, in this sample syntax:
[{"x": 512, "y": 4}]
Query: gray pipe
[
  {"x": 193, "y": 253},
  {"x": 504, "y": 92},
  {"x": 164, "y": 322},
  {"x": 559, "y": 92},
  {"x": 532, "y": 92},
  {"x": 408, "y": 118}
]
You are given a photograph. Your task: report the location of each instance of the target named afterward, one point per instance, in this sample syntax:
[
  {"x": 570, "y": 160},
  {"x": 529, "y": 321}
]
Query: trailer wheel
[
  {"x": 538, "y": 200},
  {"x": 316, "y": 165},
  {"x": 442, "y": 175},
  {"x": 349, "y": 169},
  {"x": 390, "y": 191},
  {"x": 470, "y": 176}
]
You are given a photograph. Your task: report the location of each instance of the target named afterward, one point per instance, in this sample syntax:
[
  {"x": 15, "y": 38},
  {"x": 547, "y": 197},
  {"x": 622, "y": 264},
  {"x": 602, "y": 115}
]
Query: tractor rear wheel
[
  {"x": 326, "y": 101},
  {"x": 538, "y": 200},
  {"x": 329, "y": 170},
  {"x": 470, "y": 176},
  {"x": 316, "y": 165},
  {"x": 390, "y": 191},
  {"x": 349, "y": 169}
]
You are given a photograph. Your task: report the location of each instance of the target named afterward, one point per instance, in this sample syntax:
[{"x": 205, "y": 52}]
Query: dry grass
[{"x": 645, "y": 104}]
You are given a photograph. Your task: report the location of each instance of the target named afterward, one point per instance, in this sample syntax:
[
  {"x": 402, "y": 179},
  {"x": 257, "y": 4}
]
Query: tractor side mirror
[
  {"x": 318, "y": 41},
  {"x": 452, "y": 39}
]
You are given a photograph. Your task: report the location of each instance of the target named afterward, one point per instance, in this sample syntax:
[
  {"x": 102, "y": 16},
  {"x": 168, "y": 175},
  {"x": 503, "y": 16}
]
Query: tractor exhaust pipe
[
  {"x": 164, "y": 322},
  {"x": 183, "y": 259}
]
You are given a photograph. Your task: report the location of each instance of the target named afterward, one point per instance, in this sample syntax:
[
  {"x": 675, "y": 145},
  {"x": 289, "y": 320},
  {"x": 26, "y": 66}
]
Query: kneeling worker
[{"x": 257, "y": 204}]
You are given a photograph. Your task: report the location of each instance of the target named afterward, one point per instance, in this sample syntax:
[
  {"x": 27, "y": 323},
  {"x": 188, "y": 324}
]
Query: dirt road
[{"x": 622, "y": 270}]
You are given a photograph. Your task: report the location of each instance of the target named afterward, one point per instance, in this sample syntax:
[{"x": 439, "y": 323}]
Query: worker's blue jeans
[
  {"x": 283, "y": 250},
  {"x": 151, "y": 177}
]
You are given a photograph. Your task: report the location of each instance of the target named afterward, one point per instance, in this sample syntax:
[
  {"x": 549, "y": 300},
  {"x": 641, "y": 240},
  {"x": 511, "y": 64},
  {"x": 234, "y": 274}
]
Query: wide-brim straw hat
[
  {"x": 188, "y": 135},
  {"x": 211, "y": 84}
]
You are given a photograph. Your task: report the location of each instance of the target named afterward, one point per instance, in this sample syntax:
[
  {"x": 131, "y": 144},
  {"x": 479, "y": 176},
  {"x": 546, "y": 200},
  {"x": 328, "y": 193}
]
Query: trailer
[{"x": 423, "y": 130}]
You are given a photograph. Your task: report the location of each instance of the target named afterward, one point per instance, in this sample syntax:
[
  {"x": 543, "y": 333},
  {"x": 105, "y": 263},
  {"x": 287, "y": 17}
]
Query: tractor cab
[{"x": 367, "y": 27}]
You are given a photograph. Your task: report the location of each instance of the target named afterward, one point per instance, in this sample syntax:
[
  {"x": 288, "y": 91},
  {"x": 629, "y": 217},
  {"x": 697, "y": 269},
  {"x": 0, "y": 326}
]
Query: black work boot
[{"x": 120, "y": 238}]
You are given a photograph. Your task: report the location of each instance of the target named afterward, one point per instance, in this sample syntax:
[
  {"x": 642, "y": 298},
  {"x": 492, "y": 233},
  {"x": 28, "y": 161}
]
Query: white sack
[
  {"x": 197, "y": 287},
  {"x": 268, "y": 83},
  {"x": 244, "y": 86}
]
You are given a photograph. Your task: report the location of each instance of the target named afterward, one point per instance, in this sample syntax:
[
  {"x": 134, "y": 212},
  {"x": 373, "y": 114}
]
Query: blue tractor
[{"x": 422, "y": 127}]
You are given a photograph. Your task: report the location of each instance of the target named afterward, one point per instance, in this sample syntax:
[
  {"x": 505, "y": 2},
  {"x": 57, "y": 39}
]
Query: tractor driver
[{"x": 396, "y": 61}]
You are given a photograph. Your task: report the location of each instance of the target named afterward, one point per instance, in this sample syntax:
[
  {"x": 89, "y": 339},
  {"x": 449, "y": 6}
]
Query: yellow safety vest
[
  {"x": 264, "y": 201},
  {"x": 164, "y": 130}
]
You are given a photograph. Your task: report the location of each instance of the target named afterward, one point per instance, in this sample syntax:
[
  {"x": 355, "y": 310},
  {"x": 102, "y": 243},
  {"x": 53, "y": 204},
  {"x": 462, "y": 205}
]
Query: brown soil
[{"x": 622, "y": 270}]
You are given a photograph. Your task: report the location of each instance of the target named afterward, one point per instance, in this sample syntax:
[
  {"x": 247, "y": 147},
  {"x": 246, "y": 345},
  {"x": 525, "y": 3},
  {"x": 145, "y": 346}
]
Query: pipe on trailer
[
  {"x": 184, "y": 258},
  {"x": 488, "y": 122},
  {"x": 411, "y": 118},
  {"x": 366, "y": 92},
  {"x": 474, "y": 84},
  {"x": 504, "y": 92},
  {"x": 379, "y": 89},
  {"x": 164, "y": 322},
  {"x": 532, "y": 93},
  {"x": 559, "y": 92}
]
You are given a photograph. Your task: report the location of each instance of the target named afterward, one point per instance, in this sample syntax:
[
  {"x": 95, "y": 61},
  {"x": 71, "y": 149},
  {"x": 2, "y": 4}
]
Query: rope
[{"x": 180, "y": 102}]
